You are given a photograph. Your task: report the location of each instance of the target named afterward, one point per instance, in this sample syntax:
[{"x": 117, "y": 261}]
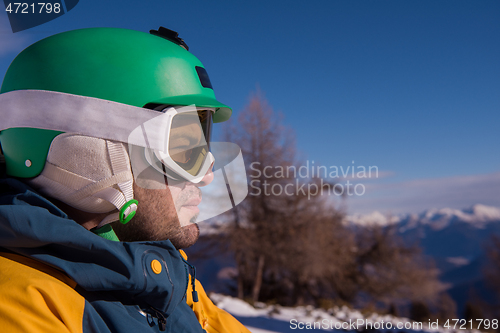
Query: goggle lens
[{"x": 189, "y": 140}]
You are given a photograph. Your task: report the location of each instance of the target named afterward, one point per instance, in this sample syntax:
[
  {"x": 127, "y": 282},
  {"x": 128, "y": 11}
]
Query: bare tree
[
  {"x": 492, "y": 274},
  {"x": 293, "y": 246},
  {"x": 282, "y": 237},
  {"x": 258, "y": 222},
  {"x": 492, "y": 271},
  {"x": 390, "y": 270}
]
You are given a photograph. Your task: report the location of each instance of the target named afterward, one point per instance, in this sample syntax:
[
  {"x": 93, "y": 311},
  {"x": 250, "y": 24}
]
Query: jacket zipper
[
  {"x": 162, "y": 321},
  {"x": 193, "y": 280}
]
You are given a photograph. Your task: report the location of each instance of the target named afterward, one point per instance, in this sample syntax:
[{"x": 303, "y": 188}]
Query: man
[{"x": 108, "y": 125}]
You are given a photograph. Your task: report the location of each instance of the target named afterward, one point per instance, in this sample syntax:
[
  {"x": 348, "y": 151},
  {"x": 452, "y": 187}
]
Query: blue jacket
[{"x": 58, "y": 277}]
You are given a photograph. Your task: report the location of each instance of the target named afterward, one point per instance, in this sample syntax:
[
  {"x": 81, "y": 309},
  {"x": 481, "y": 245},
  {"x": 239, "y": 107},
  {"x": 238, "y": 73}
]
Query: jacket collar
[{"x": 32, "y": 226}]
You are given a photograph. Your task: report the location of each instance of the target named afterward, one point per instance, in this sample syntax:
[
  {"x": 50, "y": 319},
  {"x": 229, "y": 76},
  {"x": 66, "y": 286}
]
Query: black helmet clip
[{"x": 171, "y": 35}]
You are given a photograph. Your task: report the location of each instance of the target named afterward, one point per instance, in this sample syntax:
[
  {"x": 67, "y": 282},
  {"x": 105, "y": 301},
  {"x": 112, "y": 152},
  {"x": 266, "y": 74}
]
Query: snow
[
  {"x": 458, "y": 261},
  {"x": 485, "y": 213},
  {"x": 277, "y": 319},
  {"x": 438, "y": 219},
  {"x": 477, "y": 215},
  {"x": 374, "y": 218}
]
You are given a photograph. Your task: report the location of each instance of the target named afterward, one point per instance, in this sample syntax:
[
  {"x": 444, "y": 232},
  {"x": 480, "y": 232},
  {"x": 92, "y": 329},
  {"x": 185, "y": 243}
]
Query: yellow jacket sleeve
[
  {"x": 211, "y": 318},
  {"x": 37, "y": 298}
]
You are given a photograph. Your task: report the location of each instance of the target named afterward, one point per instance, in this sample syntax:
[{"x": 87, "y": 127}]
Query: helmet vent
[
  {"x": 171, "y": 35},
  {"x": 204, "y": 79}
]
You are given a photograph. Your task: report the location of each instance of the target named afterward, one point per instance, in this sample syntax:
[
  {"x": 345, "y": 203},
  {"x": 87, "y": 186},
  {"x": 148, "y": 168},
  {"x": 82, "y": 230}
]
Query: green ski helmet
[{"x": 117, "y": 65}]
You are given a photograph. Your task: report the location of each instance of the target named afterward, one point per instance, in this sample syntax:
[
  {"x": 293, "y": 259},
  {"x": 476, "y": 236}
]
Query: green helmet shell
[{"x": 119, "y": 65}]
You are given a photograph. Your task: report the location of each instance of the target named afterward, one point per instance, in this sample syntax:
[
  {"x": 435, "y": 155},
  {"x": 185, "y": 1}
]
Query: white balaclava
[{"x": 89, "y": 174}]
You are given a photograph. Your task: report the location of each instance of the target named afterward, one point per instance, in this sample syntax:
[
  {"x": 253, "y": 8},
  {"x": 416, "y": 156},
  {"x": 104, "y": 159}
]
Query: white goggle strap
[{"x": 69, "y": 113}]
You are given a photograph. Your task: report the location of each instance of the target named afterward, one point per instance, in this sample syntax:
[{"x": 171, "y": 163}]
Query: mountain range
[{"x": 457, "y": 241}]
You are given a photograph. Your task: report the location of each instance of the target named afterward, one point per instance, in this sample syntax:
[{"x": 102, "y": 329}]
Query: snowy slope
[{"x": 274, "y": 319}]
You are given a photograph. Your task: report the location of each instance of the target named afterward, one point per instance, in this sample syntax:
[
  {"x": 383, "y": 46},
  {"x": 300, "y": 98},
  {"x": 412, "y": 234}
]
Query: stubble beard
[
  {"x": 145, "y": 229},
  {"x": 156, "y": 219},
  {"x": 189, "y": 236}
]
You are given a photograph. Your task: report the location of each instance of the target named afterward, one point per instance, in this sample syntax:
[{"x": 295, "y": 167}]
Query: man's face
[
  {"x": 165, "y": 213},
  {"x": 168, "y": 209}
]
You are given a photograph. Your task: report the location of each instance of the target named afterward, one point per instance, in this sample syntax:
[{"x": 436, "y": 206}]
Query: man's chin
[
  {"x": 188, "y": 215},
  {"x": 188, "y": 236}
]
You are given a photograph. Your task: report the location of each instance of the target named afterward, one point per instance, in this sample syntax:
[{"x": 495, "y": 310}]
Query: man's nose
[{"x": 209, "y": 177}]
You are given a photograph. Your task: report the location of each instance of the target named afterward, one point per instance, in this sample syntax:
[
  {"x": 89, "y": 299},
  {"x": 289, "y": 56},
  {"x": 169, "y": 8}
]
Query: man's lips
[{"x": 192, "y": 204}]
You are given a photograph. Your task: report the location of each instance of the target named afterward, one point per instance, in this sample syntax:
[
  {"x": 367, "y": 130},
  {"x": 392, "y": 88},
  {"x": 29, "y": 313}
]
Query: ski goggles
[
  {"x": 183, "y": 133},
  {"x": 174, "y": 148}
]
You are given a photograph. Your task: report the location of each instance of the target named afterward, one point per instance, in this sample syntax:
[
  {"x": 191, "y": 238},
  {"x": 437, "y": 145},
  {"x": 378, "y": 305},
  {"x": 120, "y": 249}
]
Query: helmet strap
[{"x": 120, "y": 162}]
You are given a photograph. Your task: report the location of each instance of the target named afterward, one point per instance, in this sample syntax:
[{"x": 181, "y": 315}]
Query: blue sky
[{"x": 412, "y": 87}]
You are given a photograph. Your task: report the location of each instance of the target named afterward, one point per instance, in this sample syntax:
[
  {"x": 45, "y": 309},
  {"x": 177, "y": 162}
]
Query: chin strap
[{"x": 123, "y": 197}]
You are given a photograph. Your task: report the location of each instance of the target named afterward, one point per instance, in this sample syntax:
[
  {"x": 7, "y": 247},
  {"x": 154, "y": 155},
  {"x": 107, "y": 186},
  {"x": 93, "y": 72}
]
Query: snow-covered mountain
[
  {"x": 477, "y": 215},
  {"x": 458, "y": 236},
  {"x": 455, "y": 239}
]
